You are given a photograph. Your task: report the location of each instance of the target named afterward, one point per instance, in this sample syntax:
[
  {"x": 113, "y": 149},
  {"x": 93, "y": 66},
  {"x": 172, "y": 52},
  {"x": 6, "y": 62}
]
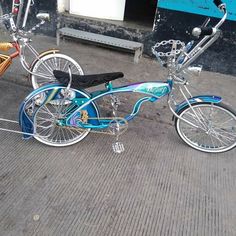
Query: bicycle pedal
[{"x": 118, "y": 147}]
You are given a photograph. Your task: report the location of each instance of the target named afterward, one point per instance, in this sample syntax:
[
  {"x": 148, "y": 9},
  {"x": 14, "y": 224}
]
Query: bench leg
[
  {"x": 58, "y": 38},
  {"x": 137, "y": 55}
]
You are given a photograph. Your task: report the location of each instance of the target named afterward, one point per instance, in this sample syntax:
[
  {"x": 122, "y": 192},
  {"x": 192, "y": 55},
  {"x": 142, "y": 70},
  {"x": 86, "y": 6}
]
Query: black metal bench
[{"x": 103, "y": 40}]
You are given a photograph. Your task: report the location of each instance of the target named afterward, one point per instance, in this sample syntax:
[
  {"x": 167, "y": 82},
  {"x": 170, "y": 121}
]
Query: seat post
[{"x": 109, "y": 86}]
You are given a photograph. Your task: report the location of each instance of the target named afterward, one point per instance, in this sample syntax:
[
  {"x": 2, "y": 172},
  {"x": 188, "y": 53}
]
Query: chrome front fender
[
  {"x": 192, "y": 101},
  {"x": 198, "y": 99}
]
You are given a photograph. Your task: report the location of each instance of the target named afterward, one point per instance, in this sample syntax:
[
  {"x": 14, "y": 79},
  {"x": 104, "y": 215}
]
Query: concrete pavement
[{"x": 159, "y": 186}]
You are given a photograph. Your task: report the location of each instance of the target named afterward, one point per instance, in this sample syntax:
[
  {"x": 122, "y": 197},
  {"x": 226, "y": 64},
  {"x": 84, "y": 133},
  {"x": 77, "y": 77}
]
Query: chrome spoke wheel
[
  {"x": 44, "y": 67},
  {"x": 215, "y": 127},
  {"x": 50, "y": 114},
  {"x": 50, "y": 127}
]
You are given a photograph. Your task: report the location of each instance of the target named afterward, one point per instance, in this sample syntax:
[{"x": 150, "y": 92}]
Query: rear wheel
[
  {"x": 214, "y": 127},
  {"x": 47, "y": 64},
  {"x": 49, "y": 119}
]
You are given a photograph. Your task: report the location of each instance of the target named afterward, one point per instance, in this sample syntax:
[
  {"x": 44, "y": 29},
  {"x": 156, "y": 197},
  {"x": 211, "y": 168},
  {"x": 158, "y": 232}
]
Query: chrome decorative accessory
[
  {"x": 166, "y": 51},
  {"x": 116, "y": 129},
  {"x": 115, "y": 126},
  {"x": 118, "y": 147}
]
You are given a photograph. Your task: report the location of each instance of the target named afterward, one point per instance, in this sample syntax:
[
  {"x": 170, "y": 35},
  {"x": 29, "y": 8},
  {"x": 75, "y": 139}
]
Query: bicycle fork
[{"x": 198, "y": 115}]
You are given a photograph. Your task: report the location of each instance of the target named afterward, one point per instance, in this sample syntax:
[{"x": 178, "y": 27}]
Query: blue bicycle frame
[
  {"x": 85, "y": 101},
  {"x": 152, "y": 90}
]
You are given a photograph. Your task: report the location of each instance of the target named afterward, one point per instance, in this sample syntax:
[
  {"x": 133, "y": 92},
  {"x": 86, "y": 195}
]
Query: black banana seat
[{"x": 86, "y": 81}]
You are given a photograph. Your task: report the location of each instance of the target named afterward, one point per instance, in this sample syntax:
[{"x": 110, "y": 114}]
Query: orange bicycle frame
[{"x": 6, "y": 60}]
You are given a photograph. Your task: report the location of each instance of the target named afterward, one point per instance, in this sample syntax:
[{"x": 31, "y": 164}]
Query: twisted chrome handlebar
[
  {"x": 10, "y": 25},
  {"x": 204, "y": 43},
  {"x": 187, "y": 54}
]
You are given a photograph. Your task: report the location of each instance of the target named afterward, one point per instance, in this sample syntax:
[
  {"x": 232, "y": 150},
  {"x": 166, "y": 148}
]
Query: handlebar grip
[
  {"x": 218, "y": 2},
  {"x": 202, "y": 31},
  {"x": 220, "y": 5}
]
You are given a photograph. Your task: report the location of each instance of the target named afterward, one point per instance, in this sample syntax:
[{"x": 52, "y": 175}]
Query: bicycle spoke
[
  {"x": 223, "y": 136},
  {"x": 224, "y": 122},
  {"x": 215, "y": 135},
  {"x": 212, "y": 141},
  {"x": 65, "y": 66},
  {"x": 47, "y": 67}
]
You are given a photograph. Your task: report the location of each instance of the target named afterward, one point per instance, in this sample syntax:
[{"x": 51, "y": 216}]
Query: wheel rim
[
  {"x": 216, "y": 130},
  {"x": 49, "y": 128},
  {"x": 50, "y": 63}
]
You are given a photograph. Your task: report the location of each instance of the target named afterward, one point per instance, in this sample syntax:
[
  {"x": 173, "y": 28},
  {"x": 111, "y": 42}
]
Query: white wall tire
[{"x": 220, "y": 133}]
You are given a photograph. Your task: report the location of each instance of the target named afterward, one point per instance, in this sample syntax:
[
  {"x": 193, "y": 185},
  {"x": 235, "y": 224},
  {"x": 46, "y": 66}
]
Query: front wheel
[
  {"x": 43, "y": 68},
  {"x": 214, "y": 129}
]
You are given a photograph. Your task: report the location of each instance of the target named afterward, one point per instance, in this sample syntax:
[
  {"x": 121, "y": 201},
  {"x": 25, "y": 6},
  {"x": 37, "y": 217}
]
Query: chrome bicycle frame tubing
[
  {"x": 24, "y": 63},
  {"x": 170, "y": 99},
  {"x": 191, "y": 107}
]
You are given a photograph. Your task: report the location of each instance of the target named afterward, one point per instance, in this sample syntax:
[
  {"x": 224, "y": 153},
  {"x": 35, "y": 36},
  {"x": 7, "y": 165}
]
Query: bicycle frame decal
[{"x": 154, "y": 89}]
